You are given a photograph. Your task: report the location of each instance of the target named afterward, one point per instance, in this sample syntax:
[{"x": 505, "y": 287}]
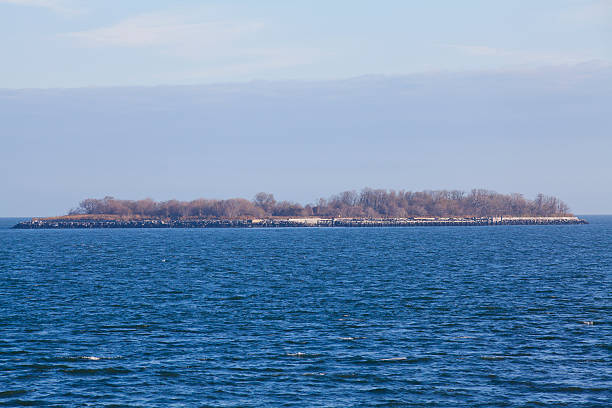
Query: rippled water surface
[{"x": 423, "y": 316}]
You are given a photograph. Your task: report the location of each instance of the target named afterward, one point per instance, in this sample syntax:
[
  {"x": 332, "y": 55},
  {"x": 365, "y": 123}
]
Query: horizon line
[{"x": 595, "y": 63}]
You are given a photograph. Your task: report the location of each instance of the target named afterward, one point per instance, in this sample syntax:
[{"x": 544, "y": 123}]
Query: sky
[
  {"x": 219, "y": 99},
  {"x": 70, "y": 43}
]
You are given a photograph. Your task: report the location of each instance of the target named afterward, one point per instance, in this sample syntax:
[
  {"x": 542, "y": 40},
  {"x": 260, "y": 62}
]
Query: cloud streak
[
  {"x": 519, "y": 57},
  {"x": 54, "y": 5},
  {"x": 170, "y": 30},
  {"x": 594, "y": 12},
  {"x": 218, "y": 46}
]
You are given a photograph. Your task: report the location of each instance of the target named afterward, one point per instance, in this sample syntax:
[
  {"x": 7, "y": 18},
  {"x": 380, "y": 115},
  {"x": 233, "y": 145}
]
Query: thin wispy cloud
[
  {"x": 256, "y": 60},
  {"x": 217, "y": 46},
  {"x": 172, "y": 31},
  {"x": 590, "y": 12},
  {"x": 482, "y": 50},
  {"x": 519, "y": 56},
  {"x": 145, "y": 42},
  {"x": 58, "y": 6}
]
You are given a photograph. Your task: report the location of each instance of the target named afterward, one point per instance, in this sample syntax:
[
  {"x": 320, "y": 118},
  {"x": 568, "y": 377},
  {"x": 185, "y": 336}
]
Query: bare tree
[{"x": 367, "y": 203}]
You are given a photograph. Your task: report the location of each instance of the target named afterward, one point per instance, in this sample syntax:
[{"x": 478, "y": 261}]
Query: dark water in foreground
[{"x": 424, "y": 316}]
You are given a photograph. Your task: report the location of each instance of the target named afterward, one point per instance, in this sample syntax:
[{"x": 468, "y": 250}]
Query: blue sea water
[{"x": 505, "y": 316}]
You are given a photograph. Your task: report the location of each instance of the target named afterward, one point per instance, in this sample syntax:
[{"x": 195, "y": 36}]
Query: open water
[{"x": 505, "y": 316}]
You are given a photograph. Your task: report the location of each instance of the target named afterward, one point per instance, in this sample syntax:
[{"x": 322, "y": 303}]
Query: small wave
[
  {"x": 80, "y": 358},
  {"x": 170, "y": 374},
  {"x": 347, "y": 375},
  {"x": 388, "y": 360},
  {"x": 354, "y": 325},
  {"x": 578, "y": 389},
  {"x": 351, "y": 338},
  {"x": 493, "y": 357},
  {"x": 300, "y": 354},
  {"x": 394, "y": 359},
  {"x": 123, "y": 327},
  {"x": 42, "y": 367},
  {"x": 13, "y": 352},
  {"x": 25, "y": 403},
  {"x": 605, "y": 346},
  {"x": 237, "y": 297},
  {"x": 313, "y": 374},
  {"x": 378, "y": 390},
  {"x": 12, "y": 393},
  {"x": 291, "y": 341},
  {"x": 96, "y": 371}
]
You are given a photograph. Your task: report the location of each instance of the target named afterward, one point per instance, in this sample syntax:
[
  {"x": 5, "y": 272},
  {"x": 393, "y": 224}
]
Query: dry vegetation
[{"x": 369, "y": 203}]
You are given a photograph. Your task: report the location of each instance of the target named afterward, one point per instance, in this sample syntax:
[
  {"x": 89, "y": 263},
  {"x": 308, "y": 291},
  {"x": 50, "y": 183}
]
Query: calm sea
[{"x": 506, "y": 316}]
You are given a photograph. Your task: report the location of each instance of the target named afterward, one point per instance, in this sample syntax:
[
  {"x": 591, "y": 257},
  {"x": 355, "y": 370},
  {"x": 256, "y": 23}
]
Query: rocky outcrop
[{"x": 42, "y": 223}]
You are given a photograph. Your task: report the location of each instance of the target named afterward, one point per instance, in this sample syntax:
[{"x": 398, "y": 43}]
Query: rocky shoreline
[{"x": 71, "y": 223}]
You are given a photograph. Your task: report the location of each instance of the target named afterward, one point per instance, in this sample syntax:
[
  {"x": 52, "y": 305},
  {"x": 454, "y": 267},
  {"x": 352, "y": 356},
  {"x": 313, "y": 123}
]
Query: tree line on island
[{"x": 368, "y": 203}]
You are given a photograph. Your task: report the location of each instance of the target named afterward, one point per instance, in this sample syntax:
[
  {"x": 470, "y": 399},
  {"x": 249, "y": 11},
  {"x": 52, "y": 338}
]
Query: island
[{"x": 367, "y": 208}]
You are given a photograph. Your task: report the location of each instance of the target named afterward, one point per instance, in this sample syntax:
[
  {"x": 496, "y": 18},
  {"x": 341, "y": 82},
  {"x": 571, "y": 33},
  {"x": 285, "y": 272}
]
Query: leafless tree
[{"x": 367, "y": 203}]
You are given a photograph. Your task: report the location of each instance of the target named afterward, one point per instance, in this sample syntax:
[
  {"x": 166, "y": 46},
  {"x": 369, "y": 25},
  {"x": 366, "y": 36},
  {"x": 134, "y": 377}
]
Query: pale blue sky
[
  {"x": 71, "y": 43},
  {"x": 219, "y": 99}
]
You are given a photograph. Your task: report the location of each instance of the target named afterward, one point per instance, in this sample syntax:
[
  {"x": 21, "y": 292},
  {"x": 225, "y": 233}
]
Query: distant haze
[{"x": 543, "y": 130}]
